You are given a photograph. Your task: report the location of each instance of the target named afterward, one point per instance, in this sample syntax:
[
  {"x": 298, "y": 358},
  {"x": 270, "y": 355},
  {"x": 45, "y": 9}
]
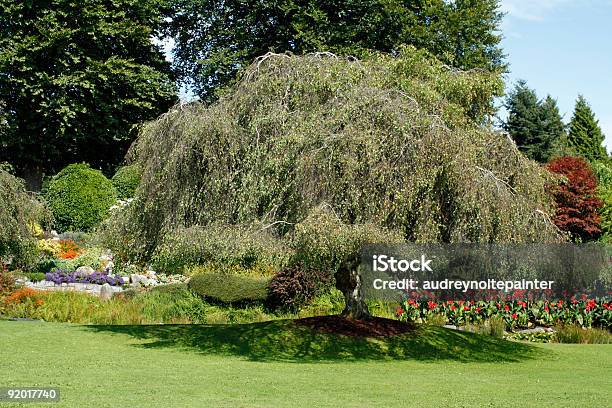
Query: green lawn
[{"x": 279, "y": 364}]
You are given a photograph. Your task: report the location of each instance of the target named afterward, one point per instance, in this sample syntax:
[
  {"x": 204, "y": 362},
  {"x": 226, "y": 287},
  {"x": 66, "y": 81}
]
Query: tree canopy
[
  {"x": 585, "y": 135},
  {"x": 386, "y": 141},
  {"x": 536, "y": 126},
  {"x": 214, "y": 40},
  {"x": 74, "y": 79}
]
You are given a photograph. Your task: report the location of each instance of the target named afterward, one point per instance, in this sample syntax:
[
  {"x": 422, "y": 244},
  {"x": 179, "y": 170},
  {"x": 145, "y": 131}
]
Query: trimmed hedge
[
  {"x": 80, "y": 197},
  {"x": 229, "y": 288},
  {"x": 126, "y": 180}
]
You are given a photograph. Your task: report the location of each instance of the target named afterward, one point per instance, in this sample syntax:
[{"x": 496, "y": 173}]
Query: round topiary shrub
[
  {"x": 126, "y": 180},
  {"x": 79, "y": 197}
]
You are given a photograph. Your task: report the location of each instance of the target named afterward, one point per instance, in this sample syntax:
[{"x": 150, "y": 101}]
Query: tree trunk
[
  {"x": 32, "y": 175},
  {"x": 348, "y": 281}
]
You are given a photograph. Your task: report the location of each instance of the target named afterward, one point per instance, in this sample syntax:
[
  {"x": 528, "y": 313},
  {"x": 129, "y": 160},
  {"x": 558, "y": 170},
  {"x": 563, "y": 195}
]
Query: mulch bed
[{"x": 373, "y": 327}]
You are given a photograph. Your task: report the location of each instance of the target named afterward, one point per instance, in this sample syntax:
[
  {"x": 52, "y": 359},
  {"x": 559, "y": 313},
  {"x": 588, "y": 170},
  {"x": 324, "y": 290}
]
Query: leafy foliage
[
  {"x": 385, "y": 141},
  {"x": 214, "y": 40},
  {"x": 603, "y": 172},
  {"x": 20, "y": 212},
  {"x": 536, "y": 126},
  {"x": 221, "y": 245},
  {"x": 126, "y": 180},
  {"x": 75, "y": 78},
  {"x": 323, "y": 244},
  {"x": 7, "y": 281},
  {"x": 229, "y": 288},
  {"x": 79, "y": 197},
  {"x": 576, "y": 201},
  {"x": 585, "y": 135}
]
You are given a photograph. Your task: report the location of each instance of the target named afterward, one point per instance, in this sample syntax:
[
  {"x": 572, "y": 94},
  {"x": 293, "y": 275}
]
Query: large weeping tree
[{"x": 397, "y": 143}]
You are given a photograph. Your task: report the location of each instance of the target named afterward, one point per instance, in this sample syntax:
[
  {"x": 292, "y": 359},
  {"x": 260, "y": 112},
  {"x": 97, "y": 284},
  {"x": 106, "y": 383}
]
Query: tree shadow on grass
[{"x": 283, "y": 340}]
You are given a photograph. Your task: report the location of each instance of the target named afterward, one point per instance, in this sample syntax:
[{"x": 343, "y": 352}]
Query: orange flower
[
  {"x": 22, "y": 295},
  {"x": 69, "y": 249}
]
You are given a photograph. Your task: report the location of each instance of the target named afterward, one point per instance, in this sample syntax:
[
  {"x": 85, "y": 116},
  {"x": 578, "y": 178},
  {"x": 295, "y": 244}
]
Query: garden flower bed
[{"x": 516, "y": 313}]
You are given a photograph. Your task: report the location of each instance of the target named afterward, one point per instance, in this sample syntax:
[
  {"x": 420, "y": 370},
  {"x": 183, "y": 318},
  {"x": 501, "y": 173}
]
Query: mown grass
[{"x": 281, "y": 364}]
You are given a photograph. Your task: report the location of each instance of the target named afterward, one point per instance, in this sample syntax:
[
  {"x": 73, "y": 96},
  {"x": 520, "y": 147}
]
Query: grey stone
[
  {"x": 85, "y": 270},
  {"x": 136, "y": 278},
  {"x": 534, "y": 330},
  {"x": 450, "y": 326},
  {"x": 106, "y": 291}
]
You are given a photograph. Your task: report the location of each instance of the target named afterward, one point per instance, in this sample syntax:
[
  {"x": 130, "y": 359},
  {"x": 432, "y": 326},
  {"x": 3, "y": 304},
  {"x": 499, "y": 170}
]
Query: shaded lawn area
[{"x": 281, "y": 364}]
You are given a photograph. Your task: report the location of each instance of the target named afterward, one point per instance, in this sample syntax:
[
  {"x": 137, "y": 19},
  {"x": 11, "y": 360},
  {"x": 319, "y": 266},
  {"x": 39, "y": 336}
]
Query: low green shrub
[
  {"x": 171, "y": 305},
  {"x": 228, "y": 245},
  {"x": 44, "y": 265},
  {"x": 79, "y": 197},
  {"x": 229, "y": 288},
  {"x": 571, "y": 333},
  {"x": 126, "y": 180},
  {"x": 494, "y": 326},
  {"x": 329, "y": 303},
  {"x": 35, "y": 276}
]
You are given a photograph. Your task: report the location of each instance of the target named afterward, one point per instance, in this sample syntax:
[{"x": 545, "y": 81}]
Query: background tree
[
  {"x": 75, "y": 77},
  {"x": 575, "y": 198},
  {"x": 536, "y": 126},
  {"x": 585, "y": 135},
  {"x": 214, "y": 40}
]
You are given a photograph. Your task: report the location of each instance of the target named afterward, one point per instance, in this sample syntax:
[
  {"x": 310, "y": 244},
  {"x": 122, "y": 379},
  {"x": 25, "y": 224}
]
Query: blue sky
[{"x": 563, "y": 48}]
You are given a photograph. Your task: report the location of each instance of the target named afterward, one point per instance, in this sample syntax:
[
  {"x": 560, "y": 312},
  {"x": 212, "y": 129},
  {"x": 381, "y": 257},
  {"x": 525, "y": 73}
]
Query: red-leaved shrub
[
  {"x": 294, "y": 286},
  {"x": 575, "y": 199}
]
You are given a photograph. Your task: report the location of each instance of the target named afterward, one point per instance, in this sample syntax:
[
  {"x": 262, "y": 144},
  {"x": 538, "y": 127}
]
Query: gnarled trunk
[{"x": 348, "y": 281}]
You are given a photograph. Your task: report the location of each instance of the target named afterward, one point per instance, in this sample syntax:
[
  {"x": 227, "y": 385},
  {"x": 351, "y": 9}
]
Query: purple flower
[{"x": 59, "y": 276}]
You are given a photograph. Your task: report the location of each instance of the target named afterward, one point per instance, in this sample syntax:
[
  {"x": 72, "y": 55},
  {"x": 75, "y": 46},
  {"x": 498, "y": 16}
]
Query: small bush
[
  {"x": 126, "y": 180},
  {"x": 329, "y": 303},
  {"x": 171, "y": 305},
  {"x": 496, "y": 326},
  {"x": 295, "y": 286},
  {"x": 35, "y": 276},
  {"x": 80, "y": 197},
  {"x": 229, "y": 288},
  {"x": 7, "y": 282},
  {"x": 45, "y": 265},
  {"x": 231, "y": 245},
  {"x": 575, "y": 334}
]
